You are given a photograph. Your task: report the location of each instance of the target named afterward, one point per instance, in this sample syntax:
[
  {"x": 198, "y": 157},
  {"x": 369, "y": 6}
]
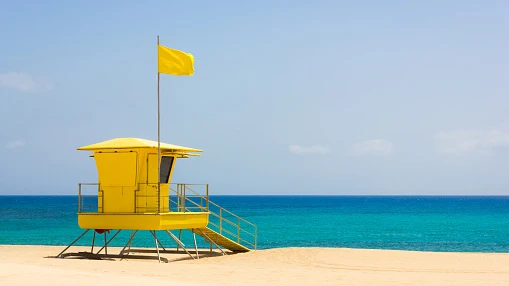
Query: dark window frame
[{"x": 165, "y": 168}]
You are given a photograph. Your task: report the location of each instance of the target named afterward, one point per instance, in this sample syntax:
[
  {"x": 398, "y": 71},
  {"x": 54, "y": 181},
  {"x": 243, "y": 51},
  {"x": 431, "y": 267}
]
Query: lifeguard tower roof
[{"x": 121, "y": 143}]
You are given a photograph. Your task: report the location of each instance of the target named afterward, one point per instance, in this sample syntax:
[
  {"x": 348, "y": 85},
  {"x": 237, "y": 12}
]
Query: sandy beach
[{"x": 32, "y": 265}]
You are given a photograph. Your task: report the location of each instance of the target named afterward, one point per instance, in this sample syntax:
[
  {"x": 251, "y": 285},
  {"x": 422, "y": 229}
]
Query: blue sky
[{"x": 288, "y": 97}]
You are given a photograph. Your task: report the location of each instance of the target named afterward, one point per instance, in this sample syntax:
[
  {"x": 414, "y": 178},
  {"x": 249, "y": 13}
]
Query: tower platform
[{"x": 143, "y": 221}]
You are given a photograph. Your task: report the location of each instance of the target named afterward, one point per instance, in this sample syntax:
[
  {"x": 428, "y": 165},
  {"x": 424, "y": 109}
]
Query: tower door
[{"x": 152, "y": 180}]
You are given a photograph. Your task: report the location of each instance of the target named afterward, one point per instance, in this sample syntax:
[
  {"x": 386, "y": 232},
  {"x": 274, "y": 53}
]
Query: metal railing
[
  {"x": 181, "y": 198},
  {"x": 177, "y": 200},
  {"x": 221, "y": 220},
  {"x": 185, "y": 199},
  {"x": 90, "y": 203},
  {"x": 232, "y": 226}
]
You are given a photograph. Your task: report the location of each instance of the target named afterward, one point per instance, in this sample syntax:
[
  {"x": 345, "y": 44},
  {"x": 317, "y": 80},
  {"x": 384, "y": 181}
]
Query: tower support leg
[
  {"x": 93, "y": 242},
  {"x": 129, "y": 247},
  {"x": 179, "y": 242},
  {"x": 180, "y": 235},
  {"x": 133, "y": 234},
  {"x": 153, "y": 232},
  {"x": 196, "y": 246},
  {"x": 79, "y": 237},
  {"x": 105, "y": 245},
  {"x": 157, "y": 245},
  {"x": 107, "y": 242}
]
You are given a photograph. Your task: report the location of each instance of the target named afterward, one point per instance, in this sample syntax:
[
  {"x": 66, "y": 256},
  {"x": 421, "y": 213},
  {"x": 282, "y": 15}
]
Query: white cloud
[
  {"x": 24, "y": 82},
  {"x": 316, "y": 149},
  {"x": 463, "y": 141},
  {"x": 15, "y": 144},
  {"x": 372, "y": 147}
]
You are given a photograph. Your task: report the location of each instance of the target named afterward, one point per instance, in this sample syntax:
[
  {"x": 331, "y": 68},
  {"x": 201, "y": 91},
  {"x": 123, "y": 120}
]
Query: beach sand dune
[{"x": 31, "y": 265}]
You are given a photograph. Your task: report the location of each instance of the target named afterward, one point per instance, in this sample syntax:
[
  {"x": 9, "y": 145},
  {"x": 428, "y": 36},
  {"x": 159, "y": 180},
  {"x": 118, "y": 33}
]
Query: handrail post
[
  {"x": 79, "y": 198},
  {"x": 179, "y": 199},
  {"x": 238, "y": 231},
  {"x": 221, "y": 221},
  {"x": 207, "y": 197},
  {"x": 185, "y": 198},
  {"x": 256, "y": 237}
]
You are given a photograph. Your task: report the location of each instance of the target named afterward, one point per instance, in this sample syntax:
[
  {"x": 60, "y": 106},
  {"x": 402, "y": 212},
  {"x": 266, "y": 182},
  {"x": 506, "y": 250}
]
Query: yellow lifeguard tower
[{"x": 134, "y": 192}]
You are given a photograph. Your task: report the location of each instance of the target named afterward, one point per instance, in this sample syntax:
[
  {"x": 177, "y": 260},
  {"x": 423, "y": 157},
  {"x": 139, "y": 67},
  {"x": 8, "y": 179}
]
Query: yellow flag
[{"x": 174, "y": 62}]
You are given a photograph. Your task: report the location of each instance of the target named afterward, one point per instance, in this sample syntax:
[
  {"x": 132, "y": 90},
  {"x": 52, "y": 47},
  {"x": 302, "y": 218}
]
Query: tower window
[{"x": 166, "y": 164}]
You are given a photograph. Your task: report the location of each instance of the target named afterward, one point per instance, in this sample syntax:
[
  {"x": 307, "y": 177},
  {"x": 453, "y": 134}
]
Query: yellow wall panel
[{"x": 117, "y": 168}]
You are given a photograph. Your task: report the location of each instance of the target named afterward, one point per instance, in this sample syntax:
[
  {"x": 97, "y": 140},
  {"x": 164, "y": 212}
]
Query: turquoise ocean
[{"x": 424, "y": 223}]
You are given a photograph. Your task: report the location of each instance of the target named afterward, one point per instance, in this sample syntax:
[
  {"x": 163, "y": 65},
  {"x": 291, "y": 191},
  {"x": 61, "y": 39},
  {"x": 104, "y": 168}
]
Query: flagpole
[{"x": 158, "y": 137}]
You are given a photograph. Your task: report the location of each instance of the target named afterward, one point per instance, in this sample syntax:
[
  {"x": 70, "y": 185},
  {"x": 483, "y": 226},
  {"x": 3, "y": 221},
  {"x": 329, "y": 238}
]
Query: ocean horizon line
[{"x": 293, "y": 195}]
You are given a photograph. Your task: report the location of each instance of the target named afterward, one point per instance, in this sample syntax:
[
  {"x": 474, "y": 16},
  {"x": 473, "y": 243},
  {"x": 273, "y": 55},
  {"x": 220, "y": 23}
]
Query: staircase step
[{"x": 221, "y": 240}]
